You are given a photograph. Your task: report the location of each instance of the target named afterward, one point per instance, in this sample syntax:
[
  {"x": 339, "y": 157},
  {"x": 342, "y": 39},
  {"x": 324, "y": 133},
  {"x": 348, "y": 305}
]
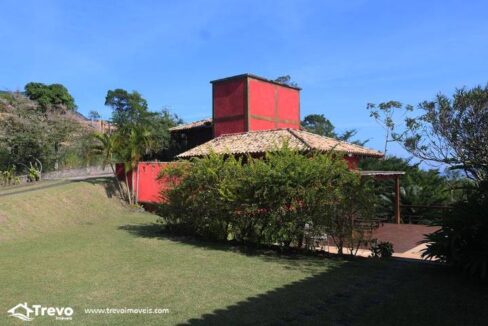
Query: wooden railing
[{"x": 423, "y": 212}]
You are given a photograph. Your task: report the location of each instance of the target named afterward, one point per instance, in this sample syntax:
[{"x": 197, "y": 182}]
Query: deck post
[{"x": 397, "y": 199}]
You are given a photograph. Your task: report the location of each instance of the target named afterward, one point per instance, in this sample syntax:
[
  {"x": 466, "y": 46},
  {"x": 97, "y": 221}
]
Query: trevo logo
[{"x": 23, "y": 311}]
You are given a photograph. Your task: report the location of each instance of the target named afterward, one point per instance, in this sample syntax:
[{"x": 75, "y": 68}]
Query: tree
[
  {"x": 50, "y": 96},
  {"x": 140, "y": 133},
  {"x": 453, "y": 131},
  {"x": 320, "y": 125},
  {"x": 128, "y": 108},
  {"x": 94, "y": 115},
  {"x": 163, "y": 146},
  {"x": 28, "y": 134},
  {"x": 107, "y": 147},
  {"x": 418, "y": 187},
  {"x": 351, "y": 220},
  {"x": 131, "y": 118},
  {"x": 462, "y": 240},
  {"x": 448, "y": 130},
  {"x": 286, "y": 80},
  {"x": 62, "y": 131},
  {"x": 384, "y": 115}
]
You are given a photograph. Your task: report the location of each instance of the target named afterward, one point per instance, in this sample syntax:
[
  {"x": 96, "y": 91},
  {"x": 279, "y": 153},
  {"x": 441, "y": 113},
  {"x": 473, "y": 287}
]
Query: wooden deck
[{"x": 404, "y": 237}]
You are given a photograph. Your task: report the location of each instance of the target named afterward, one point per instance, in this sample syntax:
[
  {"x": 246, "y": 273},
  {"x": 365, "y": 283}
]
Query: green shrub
[
  {"x": 382, "y": 249},
  {"x": 462, "y": 240},
  {"x": 267, "y": 200},
  {"x": 200, "y": 204},
  {"x": 8, "y": 176},
  {"x": 33, "y": 174}
]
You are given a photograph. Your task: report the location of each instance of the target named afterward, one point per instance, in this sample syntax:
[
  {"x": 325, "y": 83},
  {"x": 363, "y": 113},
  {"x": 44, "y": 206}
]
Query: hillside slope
[{"x": 31, "y": 211}]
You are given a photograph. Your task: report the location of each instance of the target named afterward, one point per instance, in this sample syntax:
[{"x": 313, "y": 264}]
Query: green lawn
[{"x": 69, "y": 244}]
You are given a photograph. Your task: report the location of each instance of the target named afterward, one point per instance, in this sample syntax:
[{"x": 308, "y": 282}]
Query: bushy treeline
[
  {"x": 453, "y": 131},
  {"x": 281, "y": 199},
  {"x": 463, "y": 239},
  {"x": 422, "y": 192},
  {"x": 38, "y": 135}
]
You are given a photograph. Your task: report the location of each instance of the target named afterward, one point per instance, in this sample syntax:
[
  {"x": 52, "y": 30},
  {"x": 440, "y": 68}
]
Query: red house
[
  {"x": 250, "y": 115},
  {"x": 253, "y": 115}
]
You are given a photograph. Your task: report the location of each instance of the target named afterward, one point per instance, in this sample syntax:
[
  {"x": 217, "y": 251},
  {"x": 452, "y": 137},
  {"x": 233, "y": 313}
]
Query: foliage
[
  {"x": 8, "y": 176},
  {"x": 462, "y": 240},
  {"x": 104, "y": 245},
  {"x": 128, "y": 108},
  {"x": 421, "y": 188},
  {"x": 382, "y": 249},
  {"x": 50, "y": 96},
  {"x": 352, "y": 217},
  {"x": 132, "y": 137},
  {"x": 164, "y": 147},
  {"x": 385, "y": 115},
  {"x": 139, "y": 133},
  {"x": 320, "y": 125},
  {"x": 93, "y": 115},
  {"x": 34, "y": 173},
  {"x": 265, "y": 201},
  {"x": 104, "y": 147},
  {"x": 131, "y": 112},
  {"x": 29, "y": 133},
  {"x": 286, "y": 80},
  {"x": 448, "y": 130},
  {"x": 453, "y": 131}
]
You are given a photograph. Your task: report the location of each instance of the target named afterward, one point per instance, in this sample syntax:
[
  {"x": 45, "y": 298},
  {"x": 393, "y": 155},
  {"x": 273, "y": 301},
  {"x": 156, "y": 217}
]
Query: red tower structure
[{"x": 247, "y": 102}]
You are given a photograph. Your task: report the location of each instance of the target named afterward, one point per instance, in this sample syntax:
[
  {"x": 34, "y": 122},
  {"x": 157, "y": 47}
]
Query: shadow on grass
[
  {"x": 335, "y": 297},
  {"x": 304, "y": 261},
  {"x": 108, "y": 183},
  {"x": 362, "y": 293},
  {"x": 355, "y": 292}
]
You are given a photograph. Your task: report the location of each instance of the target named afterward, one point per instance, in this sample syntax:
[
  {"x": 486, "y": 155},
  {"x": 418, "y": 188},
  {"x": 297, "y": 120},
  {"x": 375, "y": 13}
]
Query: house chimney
[{"x": 248, "y": 103}]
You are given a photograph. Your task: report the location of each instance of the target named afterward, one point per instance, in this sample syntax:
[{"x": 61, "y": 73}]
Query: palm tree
[
  {"x": 107, "y": 148},
  {"x": 137, "y": 141}
]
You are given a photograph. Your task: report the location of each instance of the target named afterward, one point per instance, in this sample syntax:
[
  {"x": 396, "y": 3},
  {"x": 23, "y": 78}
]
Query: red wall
[
  {"x": 246, "y": 103},
  {"x": 272, "y": 106},
  {"x": 352, "y": 162},
  {"x": 229, "y": 102},
  {"x": 148, "y": 188}
]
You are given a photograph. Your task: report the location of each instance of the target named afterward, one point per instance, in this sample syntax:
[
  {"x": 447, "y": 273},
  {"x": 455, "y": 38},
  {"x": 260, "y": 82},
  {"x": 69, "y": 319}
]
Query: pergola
[{"x": 385, "y": 175}]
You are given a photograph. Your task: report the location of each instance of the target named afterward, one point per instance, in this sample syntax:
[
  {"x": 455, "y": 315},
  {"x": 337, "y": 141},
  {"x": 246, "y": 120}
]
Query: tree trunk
[{"x": 129, "y": 193}]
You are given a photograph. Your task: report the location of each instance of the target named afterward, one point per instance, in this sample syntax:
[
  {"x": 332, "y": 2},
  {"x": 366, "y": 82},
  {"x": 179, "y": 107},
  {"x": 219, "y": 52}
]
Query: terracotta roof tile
[
  {"x": 195, "y": 124},
  {"x": 268, "y": 140}
]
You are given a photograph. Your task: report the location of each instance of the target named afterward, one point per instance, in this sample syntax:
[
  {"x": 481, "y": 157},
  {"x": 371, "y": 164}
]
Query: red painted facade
[
  {"x": 145, "y": 180},
  {"x": 249, "y": 103},
  {"x": 148, "y": 187},
  {"x": 241, "y": 103},
  {"x": 352, "y": 162}
]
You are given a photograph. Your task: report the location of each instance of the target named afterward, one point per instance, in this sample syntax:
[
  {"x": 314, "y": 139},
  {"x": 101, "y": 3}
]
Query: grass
[{"x": 70, "y": 244}]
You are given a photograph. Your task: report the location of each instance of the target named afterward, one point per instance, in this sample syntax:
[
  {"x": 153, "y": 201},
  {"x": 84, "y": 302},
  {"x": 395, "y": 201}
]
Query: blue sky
[{"x": 343, "y": 54}]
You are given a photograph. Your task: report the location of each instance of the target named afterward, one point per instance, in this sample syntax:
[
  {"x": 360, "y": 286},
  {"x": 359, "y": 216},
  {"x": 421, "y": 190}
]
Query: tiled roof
[
  {"x": 254, "y": 142},
  {"x": 196, "y": 124}
]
